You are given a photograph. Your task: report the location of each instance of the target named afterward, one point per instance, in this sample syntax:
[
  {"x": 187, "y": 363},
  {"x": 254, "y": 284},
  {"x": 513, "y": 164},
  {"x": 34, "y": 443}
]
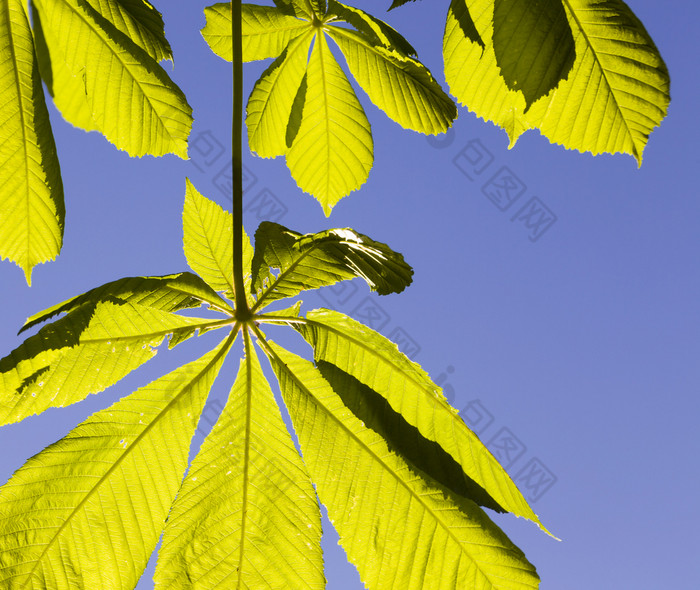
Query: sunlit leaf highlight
[{"x": 287, "y": 262}]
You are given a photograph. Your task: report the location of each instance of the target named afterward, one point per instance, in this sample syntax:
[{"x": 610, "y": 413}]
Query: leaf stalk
[{"x": 243, "y": 312}]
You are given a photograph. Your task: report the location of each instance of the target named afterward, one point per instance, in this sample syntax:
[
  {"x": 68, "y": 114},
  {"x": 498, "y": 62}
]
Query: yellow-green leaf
[
  {"x": 399, "y": 528},
  {"x": 208, "y": 242},
  {"x": 376, "y": 362},
  {"x": 68, "y": 91},
  {"x": 377, "y": 30},
  {"x": 533, "y": 44},
  {"x": 266, "y": 31},
  {"x": 85, "y": 352},
  {"x": 88, "y": 510},
  {"x": 31, "y": 191},
  {"x": 246, "y": 515},
  {"x": 270, "y": 102},
  {"x": 139, "y": 21},
  {"x": 332, "y": 152},
  {"x": 167, "y": 293},
  {"x": 615, "y": 94},
  {"x": 399, "y": 85},
  {"x": 132, "y": 100},
  {"x": 286, "y": 262}
]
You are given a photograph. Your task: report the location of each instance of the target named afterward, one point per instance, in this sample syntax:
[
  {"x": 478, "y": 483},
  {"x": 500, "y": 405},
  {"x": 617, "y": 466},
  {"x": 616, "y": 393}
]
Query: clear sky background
[{"x": 572, "y": 347}]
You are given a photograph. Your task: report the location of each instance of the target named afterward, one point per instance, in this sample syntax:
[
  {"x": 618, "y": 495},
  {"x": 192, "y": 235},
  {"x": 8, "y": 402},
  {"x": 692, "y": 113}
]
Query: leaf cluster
[
  {"x": 382, "y": 446},
  {"x": 585, "y": 73},
  {"x": 405, "y": 482}
]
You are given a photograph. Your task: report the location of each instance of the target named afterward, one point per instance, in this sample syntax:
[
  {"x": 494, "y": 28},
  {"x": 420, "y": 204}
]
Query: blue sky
[{"x": 572, "y": 347}]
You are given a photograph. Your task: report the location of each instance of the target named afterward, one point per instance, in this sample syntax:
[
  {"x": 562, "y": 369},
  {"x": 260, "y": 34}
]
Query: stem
[{"x": 242, "y": 311}]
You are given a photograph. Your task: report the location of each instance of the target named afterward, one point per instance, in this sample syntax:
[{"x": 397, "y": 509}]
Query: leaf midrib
[
  {"x": 246, "y": 454},
  {"x": 326, "y": 118},
  {"x": 164, "y": 332}
]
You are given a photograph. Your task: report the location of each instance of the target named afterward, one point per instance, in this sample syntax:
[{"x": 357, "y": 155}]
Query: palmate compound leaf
[
  {"x": 88, "y": 510},
  {"x": 400, "y": 528},
  {"x": 208, "y": 242},
  {"x": 615, "y": 94},
  {"x": 91, "y": 348},
  {"x": 99, "y": 60},
  {"x": 31, "y": 190},
  {"x": 378, "y": 364},
  {"x": 305, "y": 108},
  {"x": 287, "y": 262},
  {"x": 246, "y": 515},
  {"x": 439, "y": 503}
]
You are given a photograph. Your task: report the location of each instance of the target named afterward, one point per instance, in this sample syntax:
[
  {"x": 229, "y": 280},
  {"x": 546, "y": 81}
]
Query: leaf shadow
[
  {"x": 61, "y": 334},
  {"x": 425, "y": 456},
  {"x": 460, "y": 11},
  {"x": 539, "y": 52}
]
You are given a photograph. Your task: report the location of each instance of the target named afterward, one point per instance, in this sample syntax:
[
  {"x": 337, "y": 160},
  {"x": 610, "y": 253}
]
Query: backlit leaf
[
  {"x": 132, "y": 100},
  {"x": 85, "y": 352},
  {"x": 88, "y": 510},
  {"x": 377, "y": 363},
  {"x": 533, "y": 45},
  {"x": 423, "y": 455},
  {"x": 67, "y": 90},
  {"x": 270, "y": 103},
  {"x": 31, "y": 190},
  {"x": 306, "y": 109},
  {"x": 399, "y": 85},
  {"x": 266, "y": 31},
  {"x": 333, "y": 151},
  {"x": 309, "y": 261},
  {"x": 615, "y": 94},
  {"x": 139, "y": 21},
  {"x": 372, "y": 27},
  {"x": 167, "y": 293},
  {"x": 246, "y": 515},
  {"x": 208, "y": 241},
  {"x": 400, "y": 529}
]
